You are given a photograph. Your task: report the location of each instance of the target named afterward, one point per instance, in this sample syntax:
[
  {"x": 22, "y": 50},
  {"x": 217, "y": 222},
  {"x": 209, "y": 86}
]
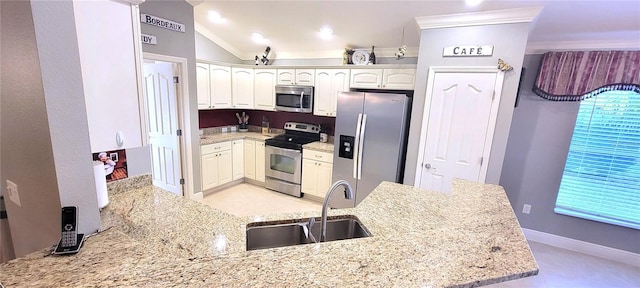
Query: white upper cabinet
[
  {"x": 110, "y": 59},
  {"x": 398, "y": 79},
  {"x": 202, "y": 86},
  {"x": 296, "y": 77},
  {"x": 265, "y": 93},
  {"x": 242, "y": 86},
  {"x": 220, "y": 86},
  {"x": 213, "y": 86},
  {"x": 329, "y": 82}
]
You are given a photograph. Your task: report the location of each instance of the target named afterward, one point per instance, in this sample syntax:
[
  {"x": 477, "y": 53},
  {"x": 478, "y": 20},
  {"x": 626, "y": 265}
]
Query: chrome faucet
[{"x": 348, "y": 195}]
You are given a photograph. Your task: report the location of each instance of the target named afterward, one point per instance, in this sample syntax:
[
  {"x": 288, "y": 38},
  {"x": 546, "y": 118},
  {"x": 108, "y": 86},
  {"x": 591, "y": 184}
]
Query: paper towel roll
[{"x": 101, "y": 184}]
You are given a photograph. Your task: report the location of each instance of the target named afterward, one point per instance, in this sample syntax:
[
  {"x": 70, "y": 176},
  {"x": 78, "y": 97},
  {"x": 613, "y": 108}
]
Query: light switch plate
[{"x": 12, "y": 191}]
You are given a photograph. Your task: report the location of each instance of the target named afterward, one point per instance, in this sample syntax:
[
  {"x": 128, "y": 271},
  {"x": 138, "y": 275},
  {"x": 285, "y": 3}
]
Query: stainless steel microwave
[{"x": 294, "y": 98}]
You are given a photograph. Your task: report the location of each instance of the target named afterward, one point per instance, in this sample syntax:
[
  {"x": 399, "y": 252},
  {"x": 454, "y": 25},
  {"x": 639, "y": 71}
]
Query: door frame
[
  {"x": 182, "y": 95},
  {"x": 493, "y": 115}
]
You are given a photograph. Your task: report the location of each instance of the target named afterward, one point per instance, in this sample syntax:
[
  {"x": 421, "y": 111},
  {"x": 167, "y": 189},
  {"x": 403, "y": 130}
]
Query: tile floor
[
  {"x": 250, "y": 200},
  {"x": 559, "y": 268}
]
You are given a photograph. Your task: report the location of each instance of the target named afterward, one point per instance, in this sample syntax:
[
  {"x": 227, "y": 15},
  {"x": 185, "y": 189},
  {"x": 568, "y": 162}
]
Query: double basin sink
[{"x": 264, "y": 235}]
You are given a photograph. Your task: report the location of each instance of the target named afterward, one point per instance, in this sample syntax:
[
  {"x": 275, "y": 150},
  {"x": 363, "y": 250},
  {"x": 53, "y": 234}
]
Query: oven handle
[
  {"x": 273, "y": 148},
  {"x": 357, "y": 147},
  {"x": 361, "y": 148}
]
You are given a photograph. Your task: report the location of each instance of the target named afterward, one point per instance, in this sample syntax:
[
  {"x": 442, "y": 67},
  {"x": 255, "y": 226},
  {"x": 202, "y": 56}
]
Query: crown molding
[
  {"x": 194, "y": 3},
  {"x": 222, "y": 43},
  {"x": 506, "y": 16},
  {"x": 543, "y": 47}
]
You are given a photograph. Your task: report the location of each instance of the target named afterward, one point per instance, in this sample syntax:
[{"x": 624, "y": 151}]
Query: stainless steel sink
[{"x": 263, "y": 235}]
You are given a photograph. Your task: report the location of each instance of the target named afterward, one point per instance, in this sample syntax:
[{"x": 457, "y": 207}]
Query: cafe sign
[
  {"x": 163, "y": 23},
  {"x": 468, "y": 50}
]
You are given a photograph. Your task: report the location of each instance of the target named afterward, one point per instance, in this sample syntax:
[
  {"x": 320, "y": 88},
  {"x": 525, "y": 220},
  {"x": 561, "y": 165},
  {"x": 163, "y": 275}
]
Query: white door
[
  {"x": 163, "y": 125},
  {"x": 460, "y": 124}
]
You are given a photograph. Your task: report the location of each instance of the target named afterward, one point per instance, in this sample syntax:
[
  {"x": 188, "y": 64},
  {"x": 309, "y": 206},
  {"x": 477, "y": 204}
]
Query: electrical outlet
[
  {"x": 201, "y": 132},
  {"x": 12, "y": 190},
  {"x": 224, "y": 129},
  {"x": 526, "y": 209}
]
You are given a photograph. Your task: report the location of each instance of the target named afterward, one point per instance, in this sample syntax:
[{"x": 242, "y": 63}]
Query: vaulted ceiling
[{"x": 291, "y": 27}]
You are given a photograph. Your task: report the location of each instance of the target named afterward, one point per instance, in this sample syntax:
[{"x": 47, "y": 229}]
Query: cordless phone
[
  {"x": 71, "y": 240},
  {"x": 69, "y": 230}
]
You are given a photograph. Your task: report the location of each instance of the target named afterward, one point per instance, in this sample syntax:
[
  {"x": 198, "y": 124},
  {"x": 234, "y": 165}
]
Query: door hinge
[
  {"x": 176, "y": 80},
  {"x": 494, "y": 95},
  {"x": 179, "y": 132},
  {"x": 182, "y": 181},
  {"x": 481, "y": 160}
]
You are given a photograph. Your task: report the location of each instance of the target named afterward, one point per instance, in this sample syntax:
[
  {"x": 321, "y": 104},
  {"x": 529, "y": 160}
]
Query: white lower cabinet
[
  {"x": 216, "y": 164},
  {"x": 238, "y": 159},
  {"x": 260, "y": 161},
  {"x": 317, "y": 169},
  {"x": 249, "y": 159}
]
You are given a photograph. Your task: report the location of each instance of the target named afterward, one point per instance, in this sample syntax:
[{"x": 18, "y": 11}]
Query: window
[{"x": 601, "y": 179}]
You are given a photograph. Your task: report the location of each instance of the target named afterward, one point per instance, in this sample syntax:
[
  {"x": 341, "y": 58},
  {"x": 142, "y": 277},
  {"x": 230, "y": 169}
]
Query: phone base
[{"x": 71, "y": 249}]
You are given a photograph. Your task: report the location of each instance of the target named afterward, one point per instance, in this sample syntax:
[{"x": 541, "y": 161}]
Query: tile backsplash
[{"x": 227, "y": 117}]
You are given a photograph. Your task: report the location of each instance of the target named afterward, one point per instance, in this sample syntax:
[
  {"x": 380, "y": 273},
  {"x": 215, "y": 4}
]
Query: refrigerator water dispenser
[{"x": 346, "y": 146}]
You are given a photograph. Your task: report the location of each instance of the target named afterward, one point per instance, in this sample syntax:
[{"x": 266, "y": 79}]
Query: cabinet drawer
[
  {"x": 217, "y": 147},
  {"x": 318, "y": 156}
]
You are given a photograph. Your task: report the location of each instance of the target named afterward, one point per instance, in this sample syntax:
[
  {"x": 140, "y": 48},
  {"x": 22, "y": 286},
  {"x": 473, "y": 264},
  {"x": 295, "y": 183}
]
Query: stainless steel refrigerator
[{"x": 369, "y": 145}]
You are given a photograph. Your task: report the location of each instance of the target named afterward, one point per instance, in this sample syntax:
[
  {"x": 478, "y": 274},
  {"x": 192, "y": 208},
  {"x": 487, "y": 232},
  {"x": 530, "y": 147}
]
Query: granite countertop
[
  {"x": 420, "y": 238},
  {"x": 223, "y": 137}
]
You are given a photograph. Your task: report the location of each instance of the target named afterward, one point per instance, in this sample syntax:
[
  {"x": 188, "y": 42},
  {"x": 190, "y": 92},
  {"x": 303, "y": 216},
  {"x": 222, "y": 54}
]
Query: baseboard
[
  {"x": 609, "y": 253},
  {"x": 197, "y": 197}
]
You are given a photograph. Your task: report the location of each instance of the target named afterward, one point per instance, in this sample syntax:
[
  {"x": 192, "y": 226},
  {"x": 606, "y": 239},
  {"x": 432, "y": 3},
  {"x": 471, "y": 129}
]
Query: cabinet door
[
  {"x": 237, "y": 148},
  {"x": 220, "y": 86},
  {"x": 202, "y": 85},
  {"x": 260, "y": 161},
  {"x": 110, "y": 73},
  {"x": 224, "y": 167},
  {"x": 242, "y": 86},
  {"x": 250, "y": 159},
  {"x": 209, "y": 170},
  {"x": 286, "y": 76},
  {"x": 366, "y": 78},
  {"x": 265, "y": 92},
  {"x": 401, "y": 79},
  {"x": 325, "y": 171},
  {"x": 309, "y": 177},
  {"x": 305, "y": 77},
  {"x": 339, "y": 83},
  {"x": 322, "y": 105}
]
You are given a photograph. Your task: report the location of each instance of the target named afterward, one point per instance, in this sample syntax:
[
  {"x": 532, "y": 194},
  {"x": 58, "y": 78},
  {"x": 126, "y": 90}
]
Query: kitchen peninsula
[{"x": 420, "y": 238}]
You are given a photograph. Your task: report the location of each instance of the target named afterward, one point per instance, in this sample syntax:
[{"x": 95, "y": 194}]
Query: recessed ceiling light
[
  {"x": 472, "y": 2},
  {"x": 215, "y": 17},
  {"x": 325, "y": 33},
  {"x": 258, "y": 38}
]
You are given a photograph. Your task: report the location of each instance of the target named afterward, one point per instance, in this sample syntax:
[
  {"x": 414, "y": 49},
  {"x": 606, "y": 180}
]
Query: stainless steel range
[{"x": 283, "y": 163}]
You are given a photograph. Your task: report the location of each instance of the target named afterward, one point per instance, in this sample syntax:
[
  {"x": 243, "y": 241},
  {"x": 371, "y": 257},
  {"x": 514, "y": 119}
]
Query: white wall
[
  {"x": 509, "y": 42},
  {"x": 66, "y": 110}
]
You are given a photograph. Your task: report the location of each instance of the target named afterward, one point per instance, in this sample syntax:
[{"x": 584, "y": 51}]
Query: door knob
[{"x": 427, "y": 165}]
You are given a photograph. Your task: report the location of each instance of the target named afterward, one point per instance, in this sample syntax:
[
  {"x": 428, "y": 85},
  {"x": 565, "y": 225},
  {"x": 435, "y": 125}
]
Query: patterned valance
[{"x": 578, "y": 75}]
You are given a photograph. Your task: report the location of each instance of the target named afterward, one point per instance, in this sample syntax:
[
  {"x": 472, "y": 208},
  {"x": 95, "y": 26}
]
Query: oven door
[{"x": 283, "y": 164}]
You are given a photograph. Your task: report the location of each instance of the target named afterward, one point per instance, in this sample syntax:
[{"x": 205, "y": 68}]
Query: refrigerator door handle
[
  {"x": 361, "y": 145},
  {"x": 356, "y": 147}
]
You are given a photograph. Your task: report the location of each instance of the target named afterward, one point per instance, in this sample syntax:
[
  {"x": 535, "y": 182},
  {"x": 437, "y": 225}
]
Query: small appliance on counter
[
  {"x": 283, "y": 157},
  {"x": 243, "y": 121},
  {"x": 265, "y": 125}
]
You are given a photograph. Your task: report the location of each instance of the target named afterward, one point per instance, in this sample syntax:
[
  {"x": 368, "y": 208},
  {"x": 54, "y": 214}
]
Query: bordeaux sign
[
  {"x": 468, "y": 50},
  {"x": 163, "y": 23}
]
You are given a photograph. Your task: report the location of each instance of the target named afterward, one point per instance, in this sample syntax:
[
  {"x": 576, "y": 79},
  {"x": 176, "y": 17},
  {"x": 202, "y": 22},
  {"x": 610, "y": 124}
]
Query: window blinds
[{"x": 601, "y": 179}]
